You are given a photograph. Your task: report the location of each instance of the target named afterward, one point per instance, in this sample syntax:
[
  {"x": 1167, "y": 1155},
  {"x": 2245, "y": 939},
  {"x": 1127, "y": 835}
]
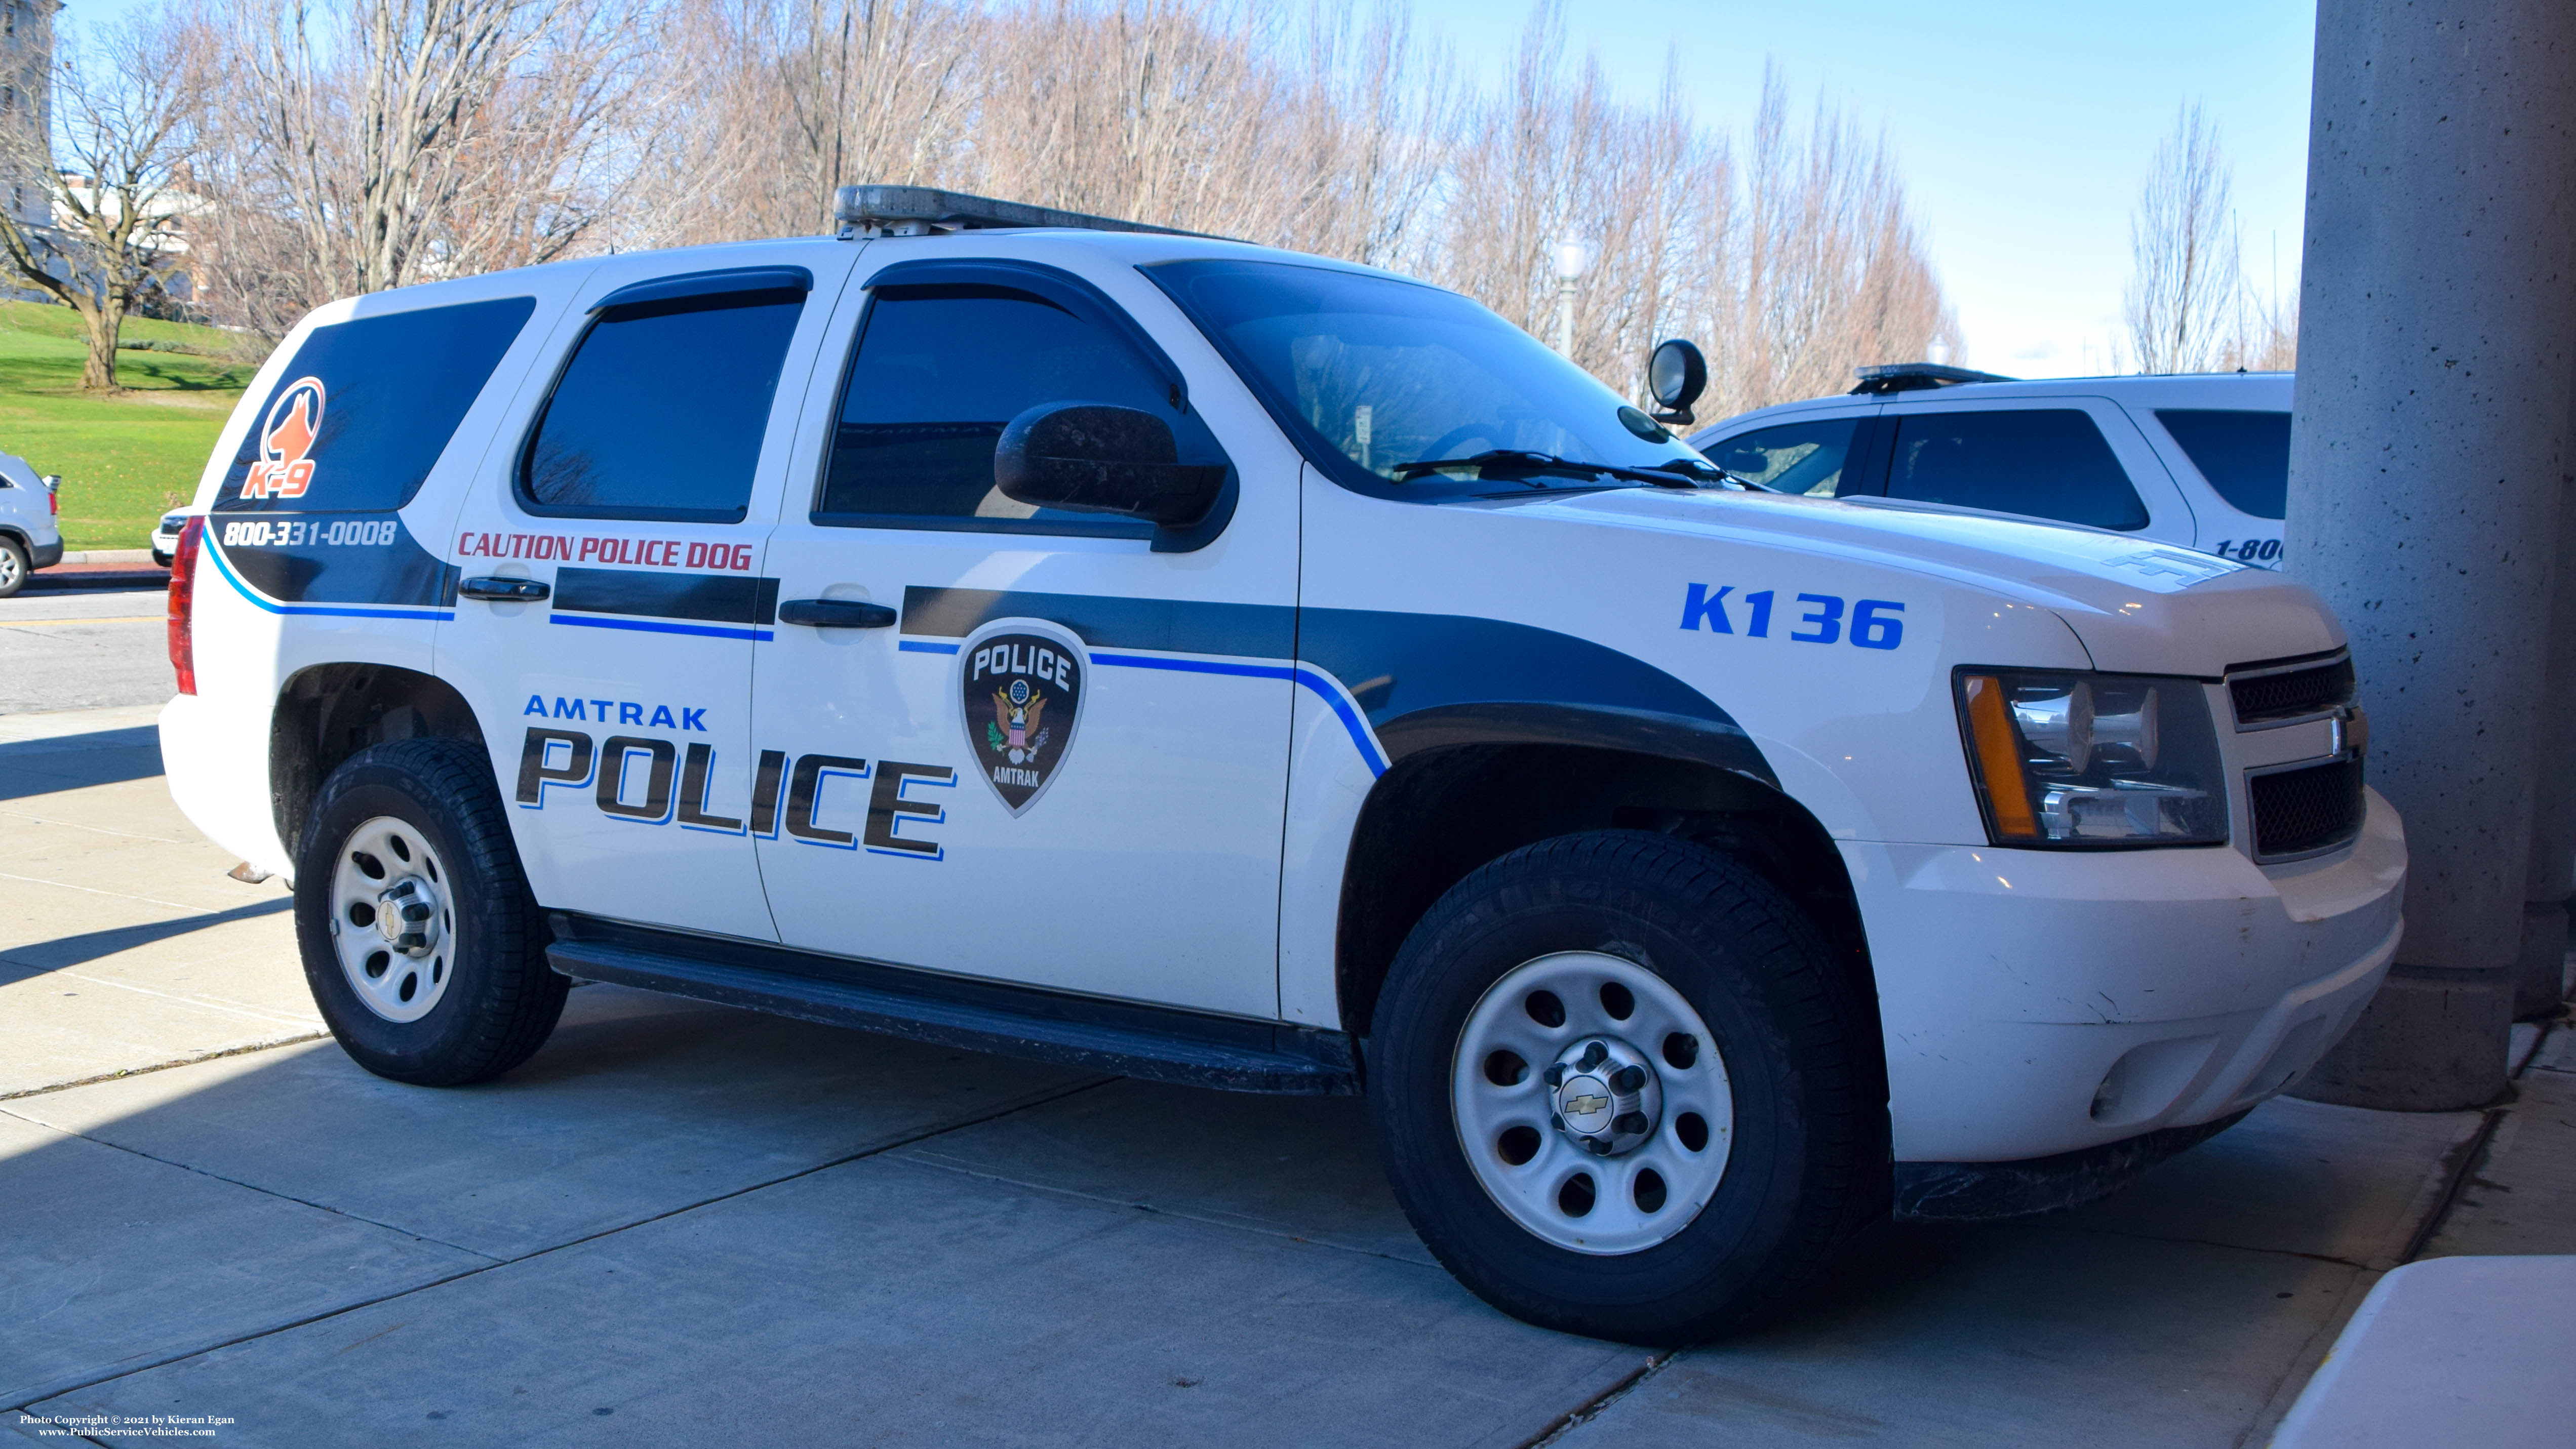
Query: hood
[{"x": 2139, "y": 606}]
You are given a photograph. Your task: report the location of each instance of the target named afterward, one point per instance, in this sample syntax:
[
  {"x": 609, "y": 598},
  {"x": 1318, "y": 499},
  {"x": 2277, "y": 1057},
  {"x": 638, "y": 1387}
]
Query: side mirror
[
  {"x": 1675, "y": 377},
  {"x": 1095, "y": 458}
]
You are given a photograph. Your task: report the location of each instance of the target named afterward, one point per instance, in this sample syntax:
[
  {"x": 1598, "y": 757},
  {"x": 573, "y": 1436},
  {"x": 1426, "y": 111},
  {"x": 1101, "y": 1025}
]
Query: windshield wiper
[{"x": 1507, "y": 461}]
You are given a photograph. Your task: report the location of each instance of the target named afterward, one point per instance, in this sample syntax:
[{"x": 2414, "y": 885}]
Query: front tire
[
  {"x": 1624, "y": 1089},
  {"x": 420, "y": 940}
]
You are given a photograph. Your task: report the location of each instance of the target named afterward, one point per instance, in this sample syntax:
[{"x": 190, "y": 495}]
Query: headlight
[{"x": 2069, "y": 759}]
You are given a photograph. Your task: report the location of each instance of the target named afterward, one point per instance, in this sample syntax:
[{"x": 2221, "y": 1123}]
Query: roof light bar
[
  {"x": 874, "y": 211},
  {"x": 1907, "y": 376}
]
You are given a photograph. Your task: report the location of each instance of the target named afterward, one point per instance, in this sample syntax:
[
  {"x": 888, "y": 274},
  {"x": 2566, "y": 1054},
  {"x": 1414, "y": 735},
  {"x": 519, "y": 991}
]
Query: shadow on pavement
[
  {"x": 681, "y": 1224},
  {"x": 19, "y": 963},
  {"x": 70, "y": 762}
]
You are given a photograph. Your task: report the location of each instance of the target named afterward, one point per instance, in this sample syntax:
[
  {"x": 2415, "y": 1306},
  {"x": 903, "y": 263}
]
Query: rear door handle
[
  {"x": 505, "y": 591},
  {"x": 835, "y": 614}
]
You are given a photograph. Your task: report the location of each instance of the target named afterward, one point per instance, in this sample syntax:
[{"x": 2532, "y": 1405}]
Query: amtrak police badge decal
[{"x": 1022, "y": 681}]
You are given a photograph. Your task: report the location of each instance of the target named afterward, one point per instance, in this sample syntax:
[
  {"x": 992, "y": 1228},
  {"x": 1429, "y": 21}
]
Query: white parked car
[
  {"x": 2200, "y": 461},
  {"x": 1225, "y": 666},
  {"x": 165, "y": 537},
  {"x": 29, "y": 538}
]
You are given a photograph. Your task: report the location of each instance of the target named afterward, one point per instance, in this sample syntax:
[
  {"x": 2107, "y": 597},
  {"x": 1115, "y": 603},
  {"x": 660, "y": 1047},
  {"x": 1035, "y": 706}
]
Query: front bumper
[{"x": 2037, "y": 1002}]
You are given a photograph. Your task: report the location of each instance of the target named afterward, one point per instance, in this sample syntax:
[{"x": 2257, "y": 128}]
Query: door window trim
[
  {"x": 774, "y": 282},
  {"x": 1085, "y": 302}
]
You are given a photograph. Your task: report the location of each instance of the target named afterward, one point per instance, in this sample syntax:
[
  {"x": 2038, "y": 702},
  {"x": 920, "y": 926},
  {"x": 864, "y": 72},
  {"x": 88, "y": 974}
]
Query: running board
[{"x": 1156, "y": 1044}]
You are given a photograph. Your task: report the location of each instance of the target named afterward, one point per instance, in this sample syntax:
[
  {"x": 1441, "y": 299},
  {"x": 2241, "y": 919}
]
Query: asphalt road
[{"x": 67, "y": 645}]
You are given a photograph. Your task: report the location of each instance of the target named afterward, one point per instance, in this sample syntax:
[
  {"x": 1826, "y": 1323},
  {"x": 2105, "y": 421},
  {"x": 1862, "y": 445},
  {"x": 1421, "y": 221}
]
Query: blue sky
[{"x": 2024, "y": 130}]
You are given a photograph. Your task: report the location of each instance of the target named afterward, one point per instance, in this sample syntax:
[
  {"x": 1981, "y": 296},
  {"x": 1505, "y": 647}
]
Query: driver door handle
[
  {"x": 506, "y": 591},
  {"x": 835, "y": 614}
]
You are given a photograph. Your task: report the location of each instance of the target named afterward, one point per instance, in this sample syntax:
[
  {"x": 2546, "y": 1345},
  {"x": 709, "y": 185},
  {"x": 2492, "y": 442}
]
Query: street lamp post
[{"x": 1572, "y": 257}]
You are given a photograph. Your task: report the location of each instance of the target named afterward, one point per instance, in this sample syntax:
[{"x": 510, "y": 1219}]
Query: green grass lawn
[{"x": 124, "y": 459}]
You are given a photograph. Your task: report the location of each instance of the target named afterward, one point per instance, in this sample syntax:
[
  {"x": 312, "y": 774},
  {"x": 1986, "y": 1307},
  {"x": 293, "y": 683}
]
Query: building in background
[{"x": 26, "y": 65}]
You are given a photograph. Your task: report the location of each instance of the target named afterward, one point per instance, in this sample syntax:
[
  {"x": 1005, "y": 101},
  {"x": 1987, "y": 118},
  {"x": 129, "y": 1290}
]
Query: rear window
[
  {"x": 662, "y": 410},
  {"x": 365, "y": 407},
  {"x": 2244, "y": 455},
  {"x": 2040, "y": 462}
]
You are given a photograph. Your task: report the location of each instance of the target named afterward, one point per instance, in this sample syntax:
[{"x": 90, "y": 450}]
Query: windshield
[{"x": 1377, "y": 377}]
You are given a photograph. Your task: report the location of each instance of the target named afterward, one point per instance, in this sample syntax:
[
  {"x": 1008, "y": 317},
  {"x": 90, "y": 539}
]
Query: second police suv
[{"x": 1225, "y": 666}]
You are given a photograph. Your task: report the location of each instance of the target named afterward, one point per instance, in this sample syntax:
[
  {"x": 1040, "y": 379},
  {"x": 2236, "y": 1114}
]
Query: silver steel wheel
[
  {"x": 1591, "y": 1102},
  {"x": 393, "y": 921},
  {"x": 13, "y": 571}
]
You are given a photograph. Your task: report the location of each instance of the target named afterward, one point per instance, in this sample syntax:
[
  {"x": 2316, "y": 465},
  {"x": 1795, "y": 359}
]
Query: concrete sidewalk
[{"x": 682, "y": 1224}]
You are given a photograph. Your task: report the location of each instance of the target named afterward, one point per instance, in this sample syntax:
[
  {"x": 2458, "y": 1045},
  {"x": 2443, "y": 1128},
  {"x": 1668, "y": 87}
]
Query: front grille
[
  {"x": 2297, "y": 812},
  {"x": 2294, "y": 694}
]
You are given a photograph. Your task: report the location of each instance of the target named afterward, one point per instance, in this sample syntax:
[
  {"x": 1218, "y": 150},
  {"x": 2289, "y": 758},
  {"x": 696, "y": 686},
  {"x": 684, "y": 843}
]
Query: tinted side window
[
  {"x": 661, "y": 411},
  {"x": 939, "y": 372},
  {"x": 2046, "y": 463},
  {"x": 364, "y": 408},
  {"x": 1792, "y": 458},
  {"x": 2244, "y": 455}
]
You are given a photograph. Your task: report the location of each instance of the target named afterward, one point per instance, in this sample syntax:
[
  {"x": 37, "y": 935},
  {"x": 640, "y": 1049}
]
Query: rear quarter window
[
  {"x": 2244, "y": 455},
  {"x": 364, "y": 408}
]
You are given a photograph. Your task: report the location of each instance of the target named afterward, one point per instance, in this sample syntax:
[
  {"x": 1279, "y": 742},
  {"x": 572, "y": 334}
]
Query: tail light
[{"x": 183, "y": 603}]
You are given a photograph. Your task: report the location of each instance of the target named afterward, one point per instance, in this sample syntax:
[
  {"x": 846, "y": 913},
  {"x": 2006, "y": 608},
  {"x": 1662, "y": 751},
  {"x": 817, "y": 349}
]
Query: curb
[{"x": 106, "y": 556}]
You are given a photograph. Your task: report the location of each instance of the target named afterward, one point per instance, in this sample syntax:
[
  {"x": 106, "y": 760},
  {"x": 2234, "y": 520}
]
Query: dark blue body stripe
[
  {"x": 224, "y": 567},
  {"x": 706, "y": 598},
  {"x": 656, "y": 626},
  {"x": 1405, "y": 663},
  {"x": 1322, "y": 684}
]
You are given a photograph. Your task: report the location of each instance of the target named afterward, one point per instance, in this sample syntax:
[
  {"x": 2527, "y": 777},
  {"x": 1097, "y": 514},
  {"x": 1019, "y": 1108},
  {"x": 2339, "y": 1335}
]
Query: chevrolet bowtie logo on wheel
[{"x": 1586, "y": 1105}]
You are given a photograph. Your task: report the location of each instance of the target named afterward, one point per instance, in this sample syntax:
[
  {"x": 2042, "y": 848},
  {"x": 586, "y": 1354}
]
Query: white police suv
[
  {"x": 2202, "y": 461},
  {"x": 1231, "y": 667}
]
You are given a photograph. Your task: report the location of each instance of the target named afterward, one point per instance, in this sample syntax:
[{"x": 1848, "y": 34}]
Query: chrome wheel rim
[
  {"x": 1592, "y": 1102},
  {"x": 9, "y": 569},
  {"x": 393, "y": 919}
]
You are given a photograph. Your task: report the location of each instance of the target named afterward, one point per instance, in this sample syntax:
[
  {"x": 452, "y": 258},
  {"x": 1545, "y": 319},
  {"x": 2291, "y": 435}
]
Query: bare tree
[
  {"x": 1831, "y": 271},
  {"x": 788, "y": 99},
  {"x": 120, "y": 118},
  {"x": 2183, "y": 285},
  {"x": 1289, "y": 122},
  {"x": 384, "y": 142}
]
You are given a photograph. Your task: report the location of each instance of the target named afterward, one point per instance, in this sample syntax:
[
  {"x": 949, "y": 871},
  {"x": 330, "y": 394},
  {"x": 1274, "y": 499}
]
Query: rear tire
[
  {"x": 1725, "y": 1169},
  {"x": 422, "y": 945},
  {"x": 14, "y": 566}
]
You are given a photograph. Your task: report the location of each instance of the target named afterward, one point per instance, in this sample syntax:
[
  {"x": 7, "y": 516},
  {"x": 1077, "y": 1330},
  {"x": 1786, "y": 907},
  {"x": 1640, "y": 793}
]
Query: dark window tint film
[
  {"x": 2244, "y": 455},
  {"x": 661, "y": 412},
  {"x": 1792, "y": 458},
  {"x": 364, "y": 408},
  {"x": 940, "y": 371},
  {"x": 2046, "y": 463}
]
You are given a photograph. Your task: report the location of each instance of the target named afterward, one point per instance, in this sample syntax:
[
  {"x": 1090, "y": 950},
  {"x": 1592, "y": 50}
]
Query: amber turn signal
[{"x": 1998, "y": 754}]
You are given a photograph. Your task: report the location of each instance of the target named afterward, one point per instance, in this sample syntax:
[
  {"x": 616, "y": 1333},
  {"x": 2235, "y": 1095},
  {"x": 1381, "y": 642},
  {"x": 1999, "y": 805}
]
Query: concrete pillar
[
  {"x": 2550, "y": 876},
  {"x": 2428, "y": 462}
]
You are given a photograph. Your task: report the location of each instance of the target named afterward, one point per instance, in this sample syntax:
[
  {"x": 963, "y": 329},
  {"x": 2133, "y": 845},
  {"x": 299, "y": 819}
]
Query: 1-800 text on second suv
[{"x": 1233, "y": 667}]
